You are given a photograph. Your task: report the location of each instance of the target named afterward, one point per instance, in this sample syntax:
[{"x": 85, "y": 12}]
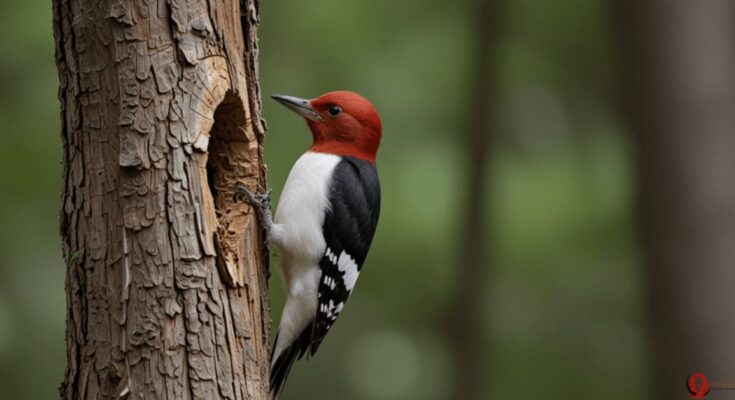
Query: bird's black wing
[{"x": 349, "y": 227}]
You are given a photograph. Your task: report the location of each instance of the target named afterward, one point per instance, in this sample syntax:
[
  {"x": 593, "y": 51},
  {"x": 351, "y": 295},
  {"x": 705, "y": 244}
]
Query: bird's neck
[{"x": 344, "y": 149}]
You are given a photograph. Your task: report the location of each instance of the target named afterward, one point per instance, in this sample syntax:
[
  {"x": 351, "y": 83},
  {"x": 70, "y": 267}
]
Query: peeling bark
[{"x": 160, "y": 112}]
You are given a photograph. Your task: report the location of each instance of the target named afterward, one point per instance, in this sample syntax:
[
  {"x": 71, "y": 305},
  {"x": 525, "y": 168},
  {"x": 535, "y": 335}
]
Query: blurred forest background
[{"x": 557, "y": 195}]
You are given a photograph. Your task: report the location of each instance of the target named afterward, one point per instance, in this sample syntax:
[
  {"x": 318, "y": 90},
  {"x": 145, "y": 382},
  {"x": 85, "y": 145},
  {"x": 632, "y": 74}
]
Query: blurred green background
[{"x": 559, "y": 198}]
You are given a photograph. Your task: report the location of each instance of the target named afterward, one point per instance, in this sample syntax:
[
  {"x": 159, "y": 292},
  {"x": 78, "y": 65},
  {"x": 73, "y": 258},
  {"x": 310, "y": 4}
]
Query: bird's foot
[
  {"x": 257, "y": 200},
  {"x": 261, "y": 202}
]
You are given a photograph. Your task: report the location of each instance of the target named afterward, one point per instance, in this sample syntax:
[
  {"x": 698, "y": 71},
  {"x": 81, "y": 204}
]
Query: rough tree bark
[
  {"x": 679, "y": 81},
  {"x": 166, "y": 278},
  {"x": 465, "y": 315}
]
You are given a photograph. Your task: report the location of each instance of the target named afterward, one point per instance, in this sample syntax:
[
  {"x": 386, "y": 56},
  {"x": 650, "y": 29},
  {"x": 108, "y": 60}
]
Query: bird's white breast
[{"x": 302, "y": 206}]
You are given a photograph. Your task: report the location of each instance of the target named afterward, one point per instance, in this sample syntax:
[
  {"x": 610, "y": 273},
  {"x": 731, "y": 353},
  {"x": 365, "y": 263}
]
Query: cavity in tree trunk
[
  {"x": 166, "y": 276},
  {"x": 679, "y": 84}
]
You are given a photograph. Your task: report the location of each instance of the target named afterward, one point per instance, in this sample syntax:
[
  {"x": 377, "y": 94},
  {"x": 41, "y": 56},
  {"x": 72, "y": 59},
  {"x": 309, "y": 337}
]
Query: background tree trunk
[
  {"x": 160, "y": 119},
  {"x": 465, "y": 315},
  {"x": 680, "y": 92}
]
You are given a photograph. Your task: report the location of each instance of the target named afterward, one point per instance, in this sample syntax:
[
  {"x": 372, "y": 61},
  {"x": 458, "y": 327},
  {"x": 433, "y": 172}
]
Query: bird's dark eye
[{"x": 334, "y": 110}]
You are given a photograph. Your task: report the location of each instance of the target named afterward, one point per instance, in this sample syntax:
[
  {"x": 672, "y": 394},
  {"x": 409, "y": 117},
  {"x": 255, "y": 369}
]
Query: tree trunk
[
  {"x": 680, "y": 71},
  {"x": 465, "y": 314},
  {"x": 166, "y": 275}
]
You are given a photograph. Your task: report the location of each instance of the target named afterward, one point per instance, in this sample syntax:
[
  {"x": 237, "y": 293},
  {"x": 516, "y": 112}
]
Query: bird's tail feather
[{"x": 282, "y": 365}]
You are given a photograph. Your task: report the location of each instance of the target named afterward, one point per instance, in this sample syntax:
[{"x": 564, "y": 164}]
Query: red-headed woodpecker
[{"x": 325, "y": 221}]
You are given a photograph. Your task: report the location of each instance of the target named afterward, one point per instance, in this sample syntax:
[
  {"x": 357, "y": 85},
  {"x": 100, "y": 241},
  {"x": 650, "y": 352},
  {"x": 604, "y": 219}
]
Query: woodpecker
[{"x": 325, "y": 221}]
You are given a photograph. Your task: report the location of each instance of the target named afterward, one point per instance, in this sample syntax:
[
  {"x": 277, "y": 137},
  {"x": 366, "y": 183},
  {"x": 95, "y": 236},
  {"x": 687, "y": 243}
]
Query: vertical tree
[
  {"x": 465, "y": 314},
  {"x": 166, "y": 278},
  {"x": 679, "y": 83}
]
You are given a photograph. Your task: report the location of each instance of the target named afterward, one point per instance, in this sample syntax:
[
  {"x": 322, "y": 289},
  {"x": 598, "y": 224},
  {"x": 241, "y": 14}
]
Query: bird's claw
[
  {"x": 259, "y": 200},
  {"x": 263, "y": 198}
]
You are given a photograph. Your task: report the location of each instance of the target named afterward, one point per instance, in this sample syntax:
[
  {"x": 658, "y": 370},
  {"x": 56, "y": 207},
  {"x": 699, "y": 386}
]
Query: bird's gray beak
[{"x": 298, "y": 105}]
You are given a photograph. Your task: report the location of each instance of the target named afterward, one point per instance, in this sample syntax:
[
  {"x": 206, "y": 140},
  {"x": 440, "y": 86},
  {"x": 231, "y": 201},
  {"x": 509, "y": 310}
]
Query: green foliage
[{"x": 562, "y": 302}]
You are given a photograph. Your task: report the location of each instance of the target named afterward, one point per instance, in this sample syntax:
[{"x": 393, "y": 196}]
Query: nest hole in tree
[{"x": 226, "y": 164}]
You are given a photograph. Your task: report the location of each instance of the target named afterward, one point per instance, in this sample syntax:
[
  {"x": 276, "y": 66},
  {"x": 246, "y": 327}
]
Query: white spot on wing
[
  {"x": 347, "y": 264},
  {"x": 331, "y": 257},
  {"x": 332, "y": 310}
]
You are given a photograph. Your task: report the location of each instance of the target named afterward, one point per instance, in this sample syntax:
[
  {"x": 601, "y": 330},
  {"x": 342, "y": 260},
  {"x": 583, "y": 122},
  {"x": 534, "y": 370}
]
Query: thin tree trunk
[
  {"x": 465, "y": 315},
  {"x": 680, "y": 93},
  {"x": 166, "y": 276}
]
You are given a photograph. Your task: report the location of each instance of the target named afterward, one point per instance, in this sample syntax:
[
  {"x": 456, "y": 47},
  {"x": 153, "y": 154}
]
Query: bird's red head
[{"x": 342, "y": 123}]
